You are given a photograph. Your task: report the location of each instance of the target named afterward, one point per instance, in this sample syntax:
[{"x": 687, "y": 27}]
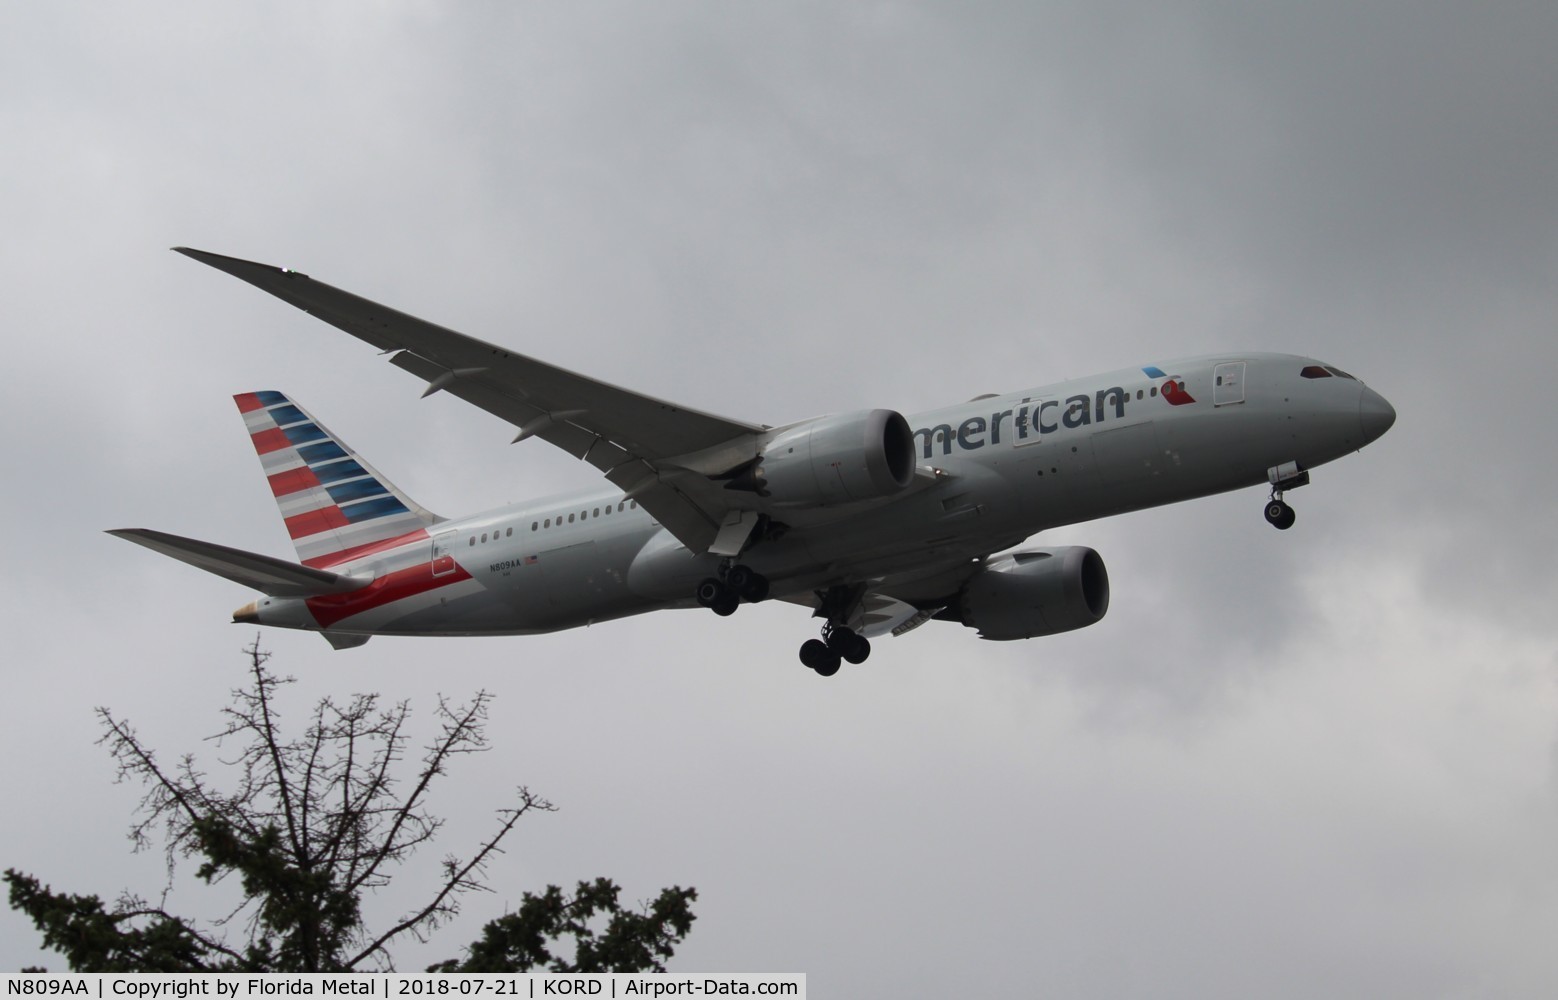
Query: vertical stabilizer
[{"x": 335, "y": 505}]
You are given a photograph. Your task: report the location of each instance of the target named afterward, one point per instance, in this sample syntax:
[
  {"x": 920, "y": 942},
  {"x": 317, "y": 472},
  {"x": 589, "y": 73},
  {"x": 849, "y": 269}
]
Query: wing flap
[
  {"x": 270, "y": 576},
  {"x": 652, "y": 484}
]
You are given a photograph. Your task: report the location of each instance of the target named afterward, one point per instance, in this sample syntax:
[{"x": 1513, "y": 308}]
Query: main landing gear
[
  {"x": 739, "y": 583},
  {"x": 839, "y": 642}
]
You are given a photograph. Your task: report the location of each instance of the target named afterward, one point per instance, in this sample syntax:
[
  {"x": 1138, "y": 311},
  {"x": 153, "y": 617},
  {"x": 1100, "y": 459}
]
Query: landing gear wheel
[
  {"x": 748, "y": 584},
  {"x": 719, "y": 598},
  {"x": 851, "y": 645},
  {"x": 1279, "y": 515},
  {"x": 819, "y": 656}
]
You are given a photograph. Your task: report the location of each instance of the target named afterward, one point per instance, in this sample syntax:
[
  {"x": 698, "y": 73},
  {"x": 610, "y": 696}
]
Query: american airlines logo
[{"x": 1031, "y": 421}]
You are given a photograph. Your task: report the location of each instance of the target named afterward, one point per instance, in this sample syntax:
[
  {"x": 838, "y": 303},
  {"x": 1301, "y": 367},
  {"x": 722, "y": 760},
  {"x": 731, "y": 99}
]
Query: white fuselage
[{"x": 992, "y": 472}]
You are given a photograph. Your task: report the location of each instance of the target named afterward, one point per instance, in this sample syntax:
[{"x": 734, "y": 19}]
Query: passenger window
[
  {"x": 633, "y": 504},
  {"x": 597, "y": 512},
  {"x": 1154, "y": 390},
  {"x": 509, "y": 533},
  {"x": 473, "y": 539},
  {"x": 547, "y": 523},
  {"x": 620, "y": 505},
  {"x": 532, "y": 525},
  {"x": 570, "y": 518},
  {"x": 484, "y": 538}
]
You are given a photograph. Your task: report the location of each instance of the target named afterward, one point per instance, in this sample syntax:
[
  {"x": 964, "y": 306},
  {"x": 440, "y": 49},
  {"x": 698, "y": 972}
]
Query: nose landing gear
[
  {"x": 1278, "y": 514},
  {"x": 1288, "y": 476}
]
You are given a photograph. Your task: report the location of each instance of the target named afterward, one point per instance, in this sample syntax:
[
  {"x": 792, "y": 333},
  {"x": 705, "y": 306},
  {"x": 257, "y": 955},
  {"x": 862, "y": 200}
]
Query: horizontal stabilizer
[{"x": 270, "y": 576}]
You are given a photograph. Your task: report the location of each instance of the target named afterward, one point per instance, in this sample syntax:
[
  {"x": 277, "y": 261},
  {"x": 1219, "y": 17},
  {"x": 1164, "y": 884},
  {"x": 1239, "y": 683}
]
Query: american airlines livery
[{"x": 877, "y": 522}]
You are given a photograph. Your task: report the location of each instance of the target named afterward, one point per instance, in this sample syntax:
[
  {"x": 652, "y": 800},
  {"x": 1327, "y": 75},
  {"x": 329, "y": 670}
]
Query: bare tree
[{"x": 311, "y": 824}]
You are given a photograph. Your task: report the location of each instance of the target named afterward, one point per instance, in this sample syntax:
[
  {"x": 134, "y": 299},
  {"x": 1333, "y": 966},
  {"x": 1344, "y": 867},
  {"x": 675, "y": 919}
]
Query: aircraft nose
[{"x": 1375, "y": 413}]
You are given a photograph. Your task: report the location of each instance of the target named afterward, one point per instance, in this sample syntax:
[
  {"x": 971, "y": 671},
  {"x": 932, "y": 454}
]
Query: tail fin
[{"x": 335, "y": 505}]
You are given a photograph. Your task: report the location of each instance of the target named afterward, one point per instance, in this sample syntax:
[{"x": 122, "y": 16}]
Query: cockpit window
[
  {"x": 1315, "y": 371},
  {"x": 1338, "y": 373}
]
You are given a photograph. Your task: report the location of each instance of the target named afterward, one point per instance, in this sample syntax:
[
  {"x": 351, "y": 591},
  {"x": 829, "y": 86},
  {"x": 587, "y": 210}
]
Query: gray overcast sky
[{"x": 1319, "y": 762}]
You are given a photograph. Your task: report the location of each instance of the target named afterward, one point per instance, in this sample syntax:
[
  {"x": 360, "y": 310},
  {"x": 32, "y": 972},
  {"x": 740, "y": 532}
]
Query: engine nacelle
[
  {"x": 836, "y": 459},
  {"x": 1041, "y": 592}
]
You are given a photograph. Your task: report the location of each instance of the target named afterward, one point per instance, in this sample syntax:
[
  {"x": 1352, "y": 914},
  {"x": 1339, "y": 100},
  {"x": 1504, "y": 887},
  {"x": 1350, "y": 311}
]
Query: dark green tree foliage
[
  {"x": 630, "y": 941},
  {"x": 311, "y": 824}
]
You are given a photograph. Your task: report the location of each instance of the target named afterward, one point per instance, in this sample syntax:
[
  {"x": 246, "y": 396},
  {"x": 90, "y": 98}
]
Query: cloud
[{"x": 1285, "y": 764}]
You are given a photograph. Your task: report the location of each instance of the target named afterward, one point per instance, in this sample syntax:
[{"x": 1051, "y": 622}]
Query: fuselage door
[
  {"x": 1228, "y": 383},
  {"x": 443, "y": 552}
]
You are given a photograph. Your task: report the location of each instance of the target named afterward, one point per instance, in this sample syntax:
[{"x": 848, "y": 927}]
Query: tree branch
[{"x": 457, "y": 880}]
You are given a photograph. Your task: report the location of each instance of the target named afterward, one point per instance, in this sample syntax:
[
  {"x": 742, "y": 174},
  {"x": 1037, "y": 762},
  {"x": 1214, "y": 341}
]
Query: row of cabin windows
[
  {"x": 581, "y": 515},
  {"x": 495, "y": 536},
  {"x": 622, "y": 505}
]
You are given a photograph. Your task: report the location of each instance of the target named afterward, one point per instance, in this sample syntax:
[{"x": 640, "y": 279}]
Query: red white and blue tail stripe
[{"x": 337, "y": 508}]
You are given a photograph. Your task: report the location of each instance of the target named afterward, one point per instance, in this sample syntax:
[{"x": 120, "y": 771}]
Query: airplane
[{"x": 875, "y": 521}]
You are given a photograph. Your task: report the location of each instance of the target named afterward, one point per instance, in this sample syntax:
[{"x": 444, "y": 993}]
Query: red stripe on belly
[{"x": 387, "y": 589}]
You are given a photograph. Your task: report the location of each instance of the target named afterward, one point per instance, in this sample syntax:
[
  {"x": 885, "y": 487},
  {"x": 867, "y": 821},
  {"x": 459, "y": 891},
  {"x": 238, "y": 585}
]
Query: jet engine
[
  {"x": 1042, "y": 592},
  {"x": 833, "y": 460}
]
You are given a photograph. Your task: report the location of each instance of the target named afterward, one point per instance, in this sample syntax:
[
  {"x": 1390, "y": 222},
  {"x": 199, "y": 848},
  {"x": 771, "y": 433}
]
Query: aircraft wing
[{"x": 657, "y": 452}]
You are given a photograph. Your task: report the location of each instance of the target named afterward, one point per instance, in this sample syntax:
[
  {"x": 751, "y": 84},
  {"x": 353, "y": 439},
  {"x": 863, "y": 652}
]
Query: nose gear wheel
[{"x": 1279, "y": 515}]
